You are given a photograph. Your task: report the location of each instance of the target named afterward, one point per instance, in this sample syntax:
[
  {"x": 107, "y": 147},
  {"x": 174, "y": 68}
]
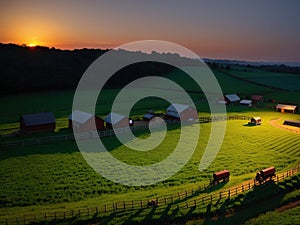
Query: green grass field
[{"x": 55, "y": 177}]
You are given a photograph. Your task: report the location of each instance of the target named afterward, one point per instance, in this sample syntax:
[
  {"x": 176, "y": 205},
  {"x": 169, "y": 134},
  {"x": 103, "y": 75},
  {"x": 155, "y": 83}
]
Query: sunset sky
[{"x": 256, "y": 30}]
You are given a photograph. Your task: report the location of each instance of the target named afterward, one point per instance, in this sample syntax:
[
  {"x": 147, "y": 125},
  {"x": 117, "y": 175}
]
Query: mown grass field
[{"x": 55, "y": 177}]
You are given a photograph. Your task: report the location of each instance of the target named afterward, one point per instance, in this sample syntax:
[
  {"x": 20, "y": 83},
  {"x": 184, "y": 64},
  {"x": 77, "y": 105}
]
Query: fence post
[
  {"x": 229, "y": 193},
  {"x": 242, "y": 188},
  {"x": 185, "y": 194},
  {"x": 132, "y": 204},
  {"x": 210, "y": 198},
  {"x": 220, "y": 194},
  {"x": 249, "y": 186},
  {"x": 105, "y": 208},
  {"x": 124, "y": 204},
  {"x": 141, "y": 203},
  {"x": 195, "y": 203}
]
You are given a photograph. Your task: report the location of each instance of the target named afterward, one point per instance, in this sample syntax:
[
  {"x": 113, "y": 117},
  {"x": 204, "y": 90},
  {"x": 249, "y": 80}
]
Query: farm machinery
[
  {"x": 265, "y": 174},
  {"x": 220, "y": 176}
]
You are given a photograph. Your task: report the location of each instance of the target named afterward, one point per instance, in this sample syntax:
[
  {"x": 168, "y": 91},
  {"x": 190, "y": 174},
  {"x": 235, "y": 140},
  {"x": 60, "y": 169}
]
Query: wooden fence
[
  {"x": 105, "y": 133},
  {"x": 180, "y": 199}
]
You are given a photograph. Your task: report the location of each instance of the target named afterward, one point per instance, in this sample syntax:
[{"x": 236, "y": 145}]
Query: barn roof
[
  {"x": 148, "y": 116},
  {"x": 176, "y": 109},
  {"x": 80, "y": 116},
  {"x": 233, "y": 97},
  {"x": 113, "y": 118},
  {"x": 286, "y": 107},
  {"x": 246, "y": 101},
  {"x": 257, "y": 97},
  {"x": 38, "y": 118}
]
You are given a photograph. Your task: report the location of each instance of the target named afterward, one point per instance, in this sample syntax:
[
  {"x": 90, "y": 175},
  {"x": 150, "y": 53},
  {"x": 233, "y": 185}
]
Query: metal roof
[
  {"x": 256, "y": 118},
  {"x": 176, "y": 109},
  {"x": 38, "y": 118},
  {"x": 148, "y": 116},
  {"x": 246, "y": 101},
  {"x": 80, "y": 117},
  {"x": 257, "y": 97},
  {"x": 113, "y": 118},
  {"x": 287, "y": 107},
  {"x": 233, "y": 97}
]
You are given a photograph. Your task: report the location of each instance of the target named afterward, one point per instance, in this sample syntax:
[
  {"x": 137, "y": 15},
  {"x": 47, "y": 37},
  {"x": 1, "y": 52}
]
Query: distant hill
[
  {"x": 240, "y": 62},
  {"x": 27, "y": 69}
]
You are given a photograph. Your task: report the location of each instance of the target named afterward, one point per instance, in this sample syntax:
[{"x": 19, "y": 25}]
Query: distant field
[{"x": 289, "y": 82}]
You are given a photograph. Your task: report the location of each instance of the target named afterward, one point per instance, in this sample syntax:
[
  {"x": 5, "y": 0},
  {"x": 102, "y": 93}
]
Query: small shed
[
  {"x": 38, "y": 122},
  {"x": 117, "y": 120},
  {"x": 286, "y": 108},
  {"x": 84, "y": 121},
  {"x": 232, "y": 98},
  {"x": 257, "y": 98},
  {"x": 255, "y": 121},
  {"x": 246, "y": 102},
  {"x": 149, "y": 115},
  {"x": 182, "y": 112}
]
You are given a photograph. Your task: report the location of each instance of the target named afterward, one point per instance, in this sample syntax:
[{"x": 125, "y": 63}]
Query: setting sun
[{"x": 33, "y": 44}]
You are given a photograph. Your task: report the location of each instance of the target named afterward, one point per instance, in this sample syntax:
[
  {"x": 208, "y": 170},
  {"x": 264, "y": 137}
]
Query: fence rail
[
  {"x": 106, "y": 133},
  {"x": 180, "y": 199}
]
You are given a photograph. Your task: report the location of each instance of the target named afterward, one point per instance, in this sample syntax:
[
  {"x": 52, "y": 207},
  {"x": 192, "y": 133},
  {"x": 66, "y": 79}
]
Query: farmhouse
[
  {"x": 38, "y": 122},
  {"x": 117, "y": 120},
  {"x": 257, "y": 98},
  {"x": 84, "y": 121},
  {"x": 246, "y": 102},
  {"x": 292, "y": 123},
  {"x": 232, "y": 98},
  {"x": 182, "y": 112},
  {"x": 286, "y": 108}
]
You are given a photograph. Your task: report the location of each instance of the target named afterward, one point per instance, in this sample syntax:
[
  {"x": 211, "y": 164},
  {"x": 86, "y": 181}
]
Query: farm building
[
  {"x": 117, "y": 120},
  {"x": 84, "y": 121},
  {"x": 286, "y": 108},
  {"x": 232, "y": 98},
  {"x": 255, "y": 121},
  {"x": 257, "y": 98},
  {"x": 246, "y": 102},
  {"x": 38, "y": 122},
  {"x": 292, "y": 123},
  {"x": 183, "y": 112},
  {"x": 149, "y": 115}
]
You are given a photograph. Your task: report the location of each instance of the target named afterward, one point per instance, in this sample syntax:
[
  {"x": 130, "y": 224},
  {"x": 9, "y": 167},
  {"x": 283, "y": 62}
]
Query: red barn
[
  {"x": 37, "y": 122},
  {"x": 117, "y": 120},
  {"x": 257, "y": 98},
  {"x": 183, "y": 112},
  {"x": 84, "y": 121}
]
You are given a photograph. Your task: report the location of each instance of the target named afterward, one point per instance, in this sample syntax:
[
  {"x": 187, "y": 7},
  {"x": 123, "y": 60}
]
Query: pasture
[{"x": 55, "y": 177}]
